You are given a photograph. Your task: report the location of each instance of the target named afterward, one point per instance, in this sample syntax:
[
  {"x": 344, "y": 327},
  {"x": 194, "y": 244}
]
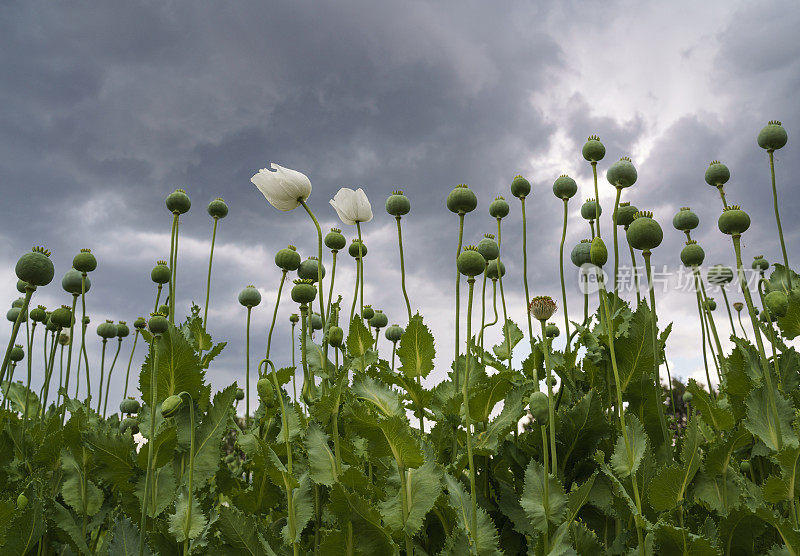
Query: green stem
[
  {"x": 404, "y": 501},
  {"x": 108, "y": 380},
  {"x": 711, "y": 322},
  {"x": 69, "y": 356},
  {"x": 483, "y": 311},
  {"x": 14, "y": 330},
  {"x": 188, "y": 522},
  {"x": 130, "y": 360},
  {"x": 275, "y": 315},
  {"x": 739, "y": 316},
  {"x": 524, "y": 275},
  {"x": 360, "y": 269},
  {"x": 158, "y": 296},
  {"x": 319, "y": 266},
  {"x": 467, "y": 423},
  {"x": 722, "y": 196},
  {"x": 635, "y": 273},
  {"x": 49, "y": 367},
  {"x": 550, "y": 404},
  {"x": 561, "y": 270},
  {"x": 171, "y": 265},
  {"x": 294, "y": 372},
  {"x": 703, "y": 334},
  {"x": 596, "y": 200},
  {"x": 777, "y": 214},
  {"x": 456, "y": 377},
  {"x": 403, "y": 268},
  {"x": 150, "y": 438},
  {"x": 728, "y": 307},
  {"x": 503, "y": 303},
  {"x": 546, "y": 490},
  {"x": 208, "y": 279},
  {"x": 247, "y": 366},
  {"x": 83, "y": 338},
  {"x": 102, "y": 374},
  {"x": 616, "y": 246},
  {"x": 333, "y": 278},
  {"x": 355, "y": 293}
]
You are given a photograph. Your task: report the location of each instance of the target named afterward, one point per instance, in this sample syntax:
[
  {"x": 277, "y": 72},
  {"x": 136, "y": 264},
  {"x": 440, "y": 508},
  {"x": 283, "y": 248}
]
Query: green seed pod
[
  {"x": 378, "y": 320},
  {"x": 122, "y": 329},
  {"x": 687, "y": 397},
  {"x": 719, "y": 275},
  {"x": 107, "y": 329},
  {"x": 539, "y": 407},
  {"x": 178, "y": 202},
  {"x": 622, "y": 173},
  {"x": 86, "y": 320},
  {"x": 63, "y": 339},
  {"x": 644, "y": 233},
  {"x": 39, "y": 313},
  {"x": 170, "y": 406},
  {"x": 266, "y": 392},
  {"x": 733, "y": 220},
  {"x": 158, "y": 323},
  {"x": 335, "y": 336},
  {"x": 717, "y": 174},
  {"x": 139, "y": 323},
  {"x": 357, "y": 249},
  {"x": 777, "y": 303},
  {"x": 492, "y": 270},
  {"x": 551, "y": 330},
  {"x": 398, "y": 204},
  {"x": 129, "y": 406},
  {"x": 589, "y": 209},
  {"x": 488, "y": 248},
  {"x": 593, "y": 150},
  {"x": 13, "y": 313},
  {"x": 17, "y": 354},
  {"x": 738, "y": 306},
  {"x": 760, "y": 263},
  {"x": 394, "y": 333},
  {"x": 316, "y": 322},
  {"x": 744, "y": 466},
  {"x": 520, "y": 187},
  {"x": 62, "y": 317},
  {"x": 288, "y": 258},
  {"x": 129, "y": 424},
  {"x": 71, "y": 282},
  {"x": 542, "y": 307},
  {"x": 21, "y": 285},
  {"x": 304, "y": 291},
  {"x": 625, "y": 213},
  {"x": 470, "y": 262},
  {"x": 35, "y": 267},
  {"x": 250, "y": 296},
  {"x": 22, "y": 501},
  {"x": 499, "y": 208},
  {"x": 308, "y": 269},
  {"x": 598, "y": 254},
  {"x": 18, "y": 302},
  {"x": 217, "y": 208},
  {"x": 84, "y": 261},
  {"x": 685, "y": 220},
  {"x": 461, "y": 200},
  {"x": 49, "y": 325},
  {"x": 294, "y": 318},
  {"x": 161, "y": 273},
  {"x": 239, "y": 394},
  {"x": 581, "y": 253},
  {"x": 368, "y": 312},
  {"x": 772, "y": 137},
  {"x": 564, "y": 187},
  {"x": 710, "y": 304},
  {"x": 334, "y": 240},
  {"x": 766, "y": 317},
  {"x": 692, "y": 254}
]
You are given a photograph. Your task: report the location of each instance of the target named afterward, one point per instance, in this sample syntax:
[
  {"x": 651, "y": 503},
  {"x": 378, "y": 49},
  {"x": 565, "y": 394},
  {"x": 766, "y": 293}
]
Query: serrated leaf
[
  {"x": 372, "y": 537},
  {"x": 188, "y": 520},
  {"x": 488, "y": 392},
  {"x": 718, "y": 417},
  {"x": 114, "y": 456},
  {"x": 487, "y": 441},
  {"x": 240, "y": 532},
  {"x": 673, "y": 540},
  {"x": 626, "y": 459},
  {"x": 65, "y": 522},
  {"x": 25, "y": 530},
  {"x": 212, "y": 353},
  {"x": 634, "y": 351},
  {"x": 423, "y": 486},
  {"x": 194, "y": 331},
  {"x": 543, "y": 511},
  {"x": 79, "y": 492},
  {"x": 486, "y": 534},
  {"x": 581, "y": 428},
  {"x": 760, "y": 418},
  {"x": 359, "y": 338},
  {"x": 162, "y": 483},
  {"x": 790, "y": 322},
  {"x": 303, "y": 506},
  {"x": 384, "y": 400},
  {"x": 719, "y": 493},
  {"x": 315, "y": 358},
  {"x": 515, "y": 335},
  {"x": 125, "y": 539},
  {"x": 787, "y": 486},
  {"x": 416, "y": 351},
  {"x": 321, "y": 460},
  {"x": 179, "y": 368},
  {"x": 208, "y": 436},
  {"x": 15, "y": 393}
]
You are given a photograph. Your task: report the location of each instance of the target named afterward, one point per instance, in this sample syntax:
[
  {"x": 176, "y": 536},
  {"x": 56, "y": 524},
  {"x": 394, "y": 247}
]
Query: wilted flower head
[
  {"x": 542, "y": 307},
  {"x": 284, "y": 188},
  {"x": 352, "y": 206}
]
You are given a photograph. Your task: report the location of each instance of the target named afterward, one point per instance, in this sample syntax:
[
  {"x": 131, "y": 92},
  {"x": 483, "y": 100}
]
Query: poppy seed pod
[
  {"x": 625, "y": 214},
  {"x": 122, "y": 329},
  {"x": 294, "y": 318},
  {"x": 398, "y": 204},
  {"x": 13, "y": 313},
  {"x": 622, "y": 173},
  {"x": 308, "y": 269},
  {"x": 692, "y": 254},
  {"x": 551, "y": 330},
  {"x": 368, "y": 312},
  {"x": 581, "y": 253},
  {"x": 250, "y": 297},
  {"x": 107, "y": 329},
  {"x": 39, "y": 313},
  {"x": 217, "y": 208},
  {"x": 710, "y": 304},
  {"x": 139, "y": 323},
  {"x": 719, "y": 275},
  {"x": 644, "y": 233},
  {"x": 86, "y": 320},
  {"x": 129, "y": 406},
  {"x": 394, "y": 333},
  {"x": 304, "y": 291},
  {"x": 63, "y": 339},
  {"x": 18, "y": 303},
  {"x": 357, "y": 249},
  {"x": 316, "y": 322},
  {"x": 733, "y": 220},
  {"x": 288, "y": 258},
  {"x": 777, "y": 303},
  {"x": 499, "y": 208},
  {"x": 461, "y": 200},
  {"x": 239, "y": 394},
  {"x": 772, "y": 137},
  {"x": 335, "y": 336},
  {"x": 598, "y": 253},
  {"x": 21, "y": 285},
  {"x": 687, "y": 397},
  {"x": 717, "y": 174},
  {"x": 84, "y": 261},
  {"x": 178, "y": 202},
  {"x": 744, "y": 467},
  {"x": 493, "y": 268},
  {"x": 564, "y": 187},
  {"x": 539, "y": 407},
  {"x": 738, "y": 306},
  {"x": 593, "y": 150},
  {"x": 520, "y": 187},
  {"x": 590, "y": 210},
  {"x": 685, "y": 220},
  {"x": 760, "y": 263},
  {"x": 73, "y": 281},
  {"x": 161, "y": 273},
  {"x": 62, "y": 317},
  {"x": 266, "y": 392},
  {"x": 542, "y": 307},
  {"x": 378, "y": 320},
  {"x": 35, "y": 267},
  {"x": 50, "y": 326},
  {"x": 334, "y": 240},
  {"x": 17, "y": 354},
  {"x": 488, "y": 248},
  {"x": 158, "y": 323},
  {"x": 129, "y": 424},
  {"x": 470, "y": 262},
  {"x": 171, "y": 406}
]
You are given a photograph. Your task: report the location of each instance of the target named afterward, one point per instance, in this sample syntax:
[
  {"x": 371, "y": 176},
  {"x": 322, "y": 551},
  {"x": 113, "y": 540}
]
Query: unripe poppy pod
[
  {"x": 129, "y": 406},
  {"x": 542, "y": 307},
  {"x": 461, "y": 200},
  {"x": 581, "y": 253},
  {"x": 720, "y": 274},
  {"x": 334, "y": 240},
  {"x": 685, "y": 220},
  {"x": 644, "y": 233},
  {"x": 622, "y": 173},
  {"x": 73, "y": 281},
  {"x": 309, "y": 269},
  {"x": 161, "y": 273},
  {"x": 499, "y": 208},
  {"x": 35, "y": 267},
  {"x": 17, "y": 354},
  {"x": 368, "y": 312},
  {"x": 304, "y": 291},
  {"x": 394, "y": 333},
  {"x": 239, "y": 394},
  {"x": 288, "y": 258},
  {"x": 249, "y": 297},
  {"x": 398, "y": 204},
  {"x": 357, "y": 249},
  {"x": 692, "y": 254},
  {"x": 495, "y": 270},
  {"x": 122, "y": 329},
  {"x": 733, "y": 220},
  {"x": 84, "y": 261},
  {"x": 590, "y": 210},
  {"x": 625, "y": 214},
  {"x": 717, "y": 174},
  {"x": 378, "y": 320},
  {"x": 593, "y": 150},
  {"x": 178, "y": 202},
  {"x": 520, "y": 187},
  {"x": 107, "y": 329},
  {"x": 470, "y": 262},
  {"x": 217, "y": 208},
  {"x": 772, "y": 137},
  {"x": 488, "y": 248},
  {"x": 539, "y": 407},
  {"x": 62, "y": 317},
  {"x": 564, "y": 187},
  {"x": 158, "y": 323},
  {"x": 760, "y": 263},
  {"x": 777, "y": 303},
  {"x": 39, "y": 314}
]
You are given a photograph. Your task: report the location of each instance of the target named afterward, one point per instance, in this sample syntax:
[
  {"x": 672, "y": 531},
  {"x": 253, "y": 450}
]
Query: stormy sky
[{"x": 105, "y": 108}]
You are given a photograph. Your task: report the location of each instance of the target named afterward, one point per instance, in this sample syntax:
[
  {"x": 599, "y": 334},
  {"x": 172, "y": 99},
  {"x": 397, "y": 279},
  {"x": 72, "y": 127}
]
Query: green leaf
[
  {"x": 208, "y": 437},
  {"x": 719, "y": 418},
  {"x": 79, "y": 492},
  {"x": 488, "y": 392},
  {"x": 385, "y": 401},
  {"x": 25, "y": 530},
  {"x": 579, "y": 496},
  {"x": 179, "y": 368},
  {"x": 760, "y": 418},
  {"x": 787, "y": 486},
  {"x": 359, "y": 338},
  {"x": 16, "y": 396},
  {"x": 487, "y": 441},
  {"x": 125, "y": 539},
  {"x": 240, "y": 532},
  {"x": 194, "y": 331},
  {"x": 625, "y": 462},
  {"x": 423, "y": 486},
  {"x": 790, "y": 322},
  {"x": 209, "y": 356},
  {"x": 634, "y": 351},
  {"x": 581, "y": 428},
  {"x": 543, "y": 513},
  {"x": 501, "y": 350},
  {"x": 372, "y": 537},
  {"x": 669, "y": 486},
  {"x": 315, "y": 357},
  {"x": 789, "y": 535},
  {"x": 163, "y": 484},
  {"x": 113, "y": 454},
  {"x": 673, "y": 540},
  {"x": 65, "y": 522},
  {"x": 321, "y": 460},
  {"x": 416, "y": 351},
  {"x": 303, "y": 506},
  {"x": 184, "y": 524},
  {"x": 486, "y": 535}
]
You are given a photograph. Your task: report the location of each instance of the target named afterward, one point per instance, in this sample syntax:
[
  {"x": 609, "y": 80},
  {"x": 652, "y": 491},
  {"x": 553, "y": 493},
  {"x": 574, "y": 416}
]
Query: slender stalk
[
  {"x": 171, "y": 266},
  {"x": 483, "y": 310},
  {"x": 275, "y": 315},
  {"x": 703, "y": 333},
  {"x": 403, "y": 268},
  {"x": 247, "y": 364},
  {"x": 404, "y": 502},
  {"x": 174, "y": 267},
  {"x": 361, "y": 268},
  {"x": 728, "y": 307},
  {"x": 130, "y": 360},
  {"x": 467, "y": 423},
  {"x": 69, "y": 358},
  {"x": 83, "y": 339},
  {"x": 319, "y": 266},
  {"x": 550, "y": 401},
  {"x": 777, "y": 215},
  {"x": 333, "y": 278},
  {"x": 456, "y": 377},
  {"x": 355, "y": 293},
  {"x": 150, "y": 438},
  {"x": 158, "y": 296},
  {"x": 722, "y": 196},
  {"x": 524, "y": 275},
  {"x": 208, "y": 279},
  {"x": 616, "y": 245},
  {"x": 635, "y": 273},
  {"x": 503, "y": 302},
  {"x": 294, "y": 373},
  {"x": 102, "y": 373},
  {"x": 111, "y": 370},
  {"x": 546, "y": 483},
  {"x": 188, "y": 522},
  {"x": 561, "y": 269},
  {"x": 739, "y": 316},
  {"x": 14, "y": 330},
  {"x": 711, "y": 322},
  {"x": 596, "y": 200},
  {"x": 494, "y": 304},
  {"x": 48, "y": 371},
  {"x": 30, "y": 374}
]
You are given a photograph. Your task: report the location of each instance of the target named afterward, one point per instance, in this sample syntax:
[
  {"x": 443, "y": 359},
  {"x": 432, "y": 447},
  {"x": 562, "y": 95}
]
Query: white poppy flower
[
  {"x": 284, "y": 188},
  {"x": 352, "y": 206}
]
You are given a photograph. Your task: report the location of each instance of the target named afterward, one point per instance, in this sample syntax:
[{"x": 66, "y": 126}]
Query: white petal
[{"x": 282, "y": 187}]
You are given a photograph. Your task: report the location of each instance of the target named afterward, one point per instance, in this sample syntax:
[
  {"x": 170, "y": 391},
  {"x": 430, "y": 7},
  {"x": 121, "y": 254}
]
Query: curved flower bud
[
  {"x": 352, "y": 206},
  {"x": 284, "y": 188}
]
